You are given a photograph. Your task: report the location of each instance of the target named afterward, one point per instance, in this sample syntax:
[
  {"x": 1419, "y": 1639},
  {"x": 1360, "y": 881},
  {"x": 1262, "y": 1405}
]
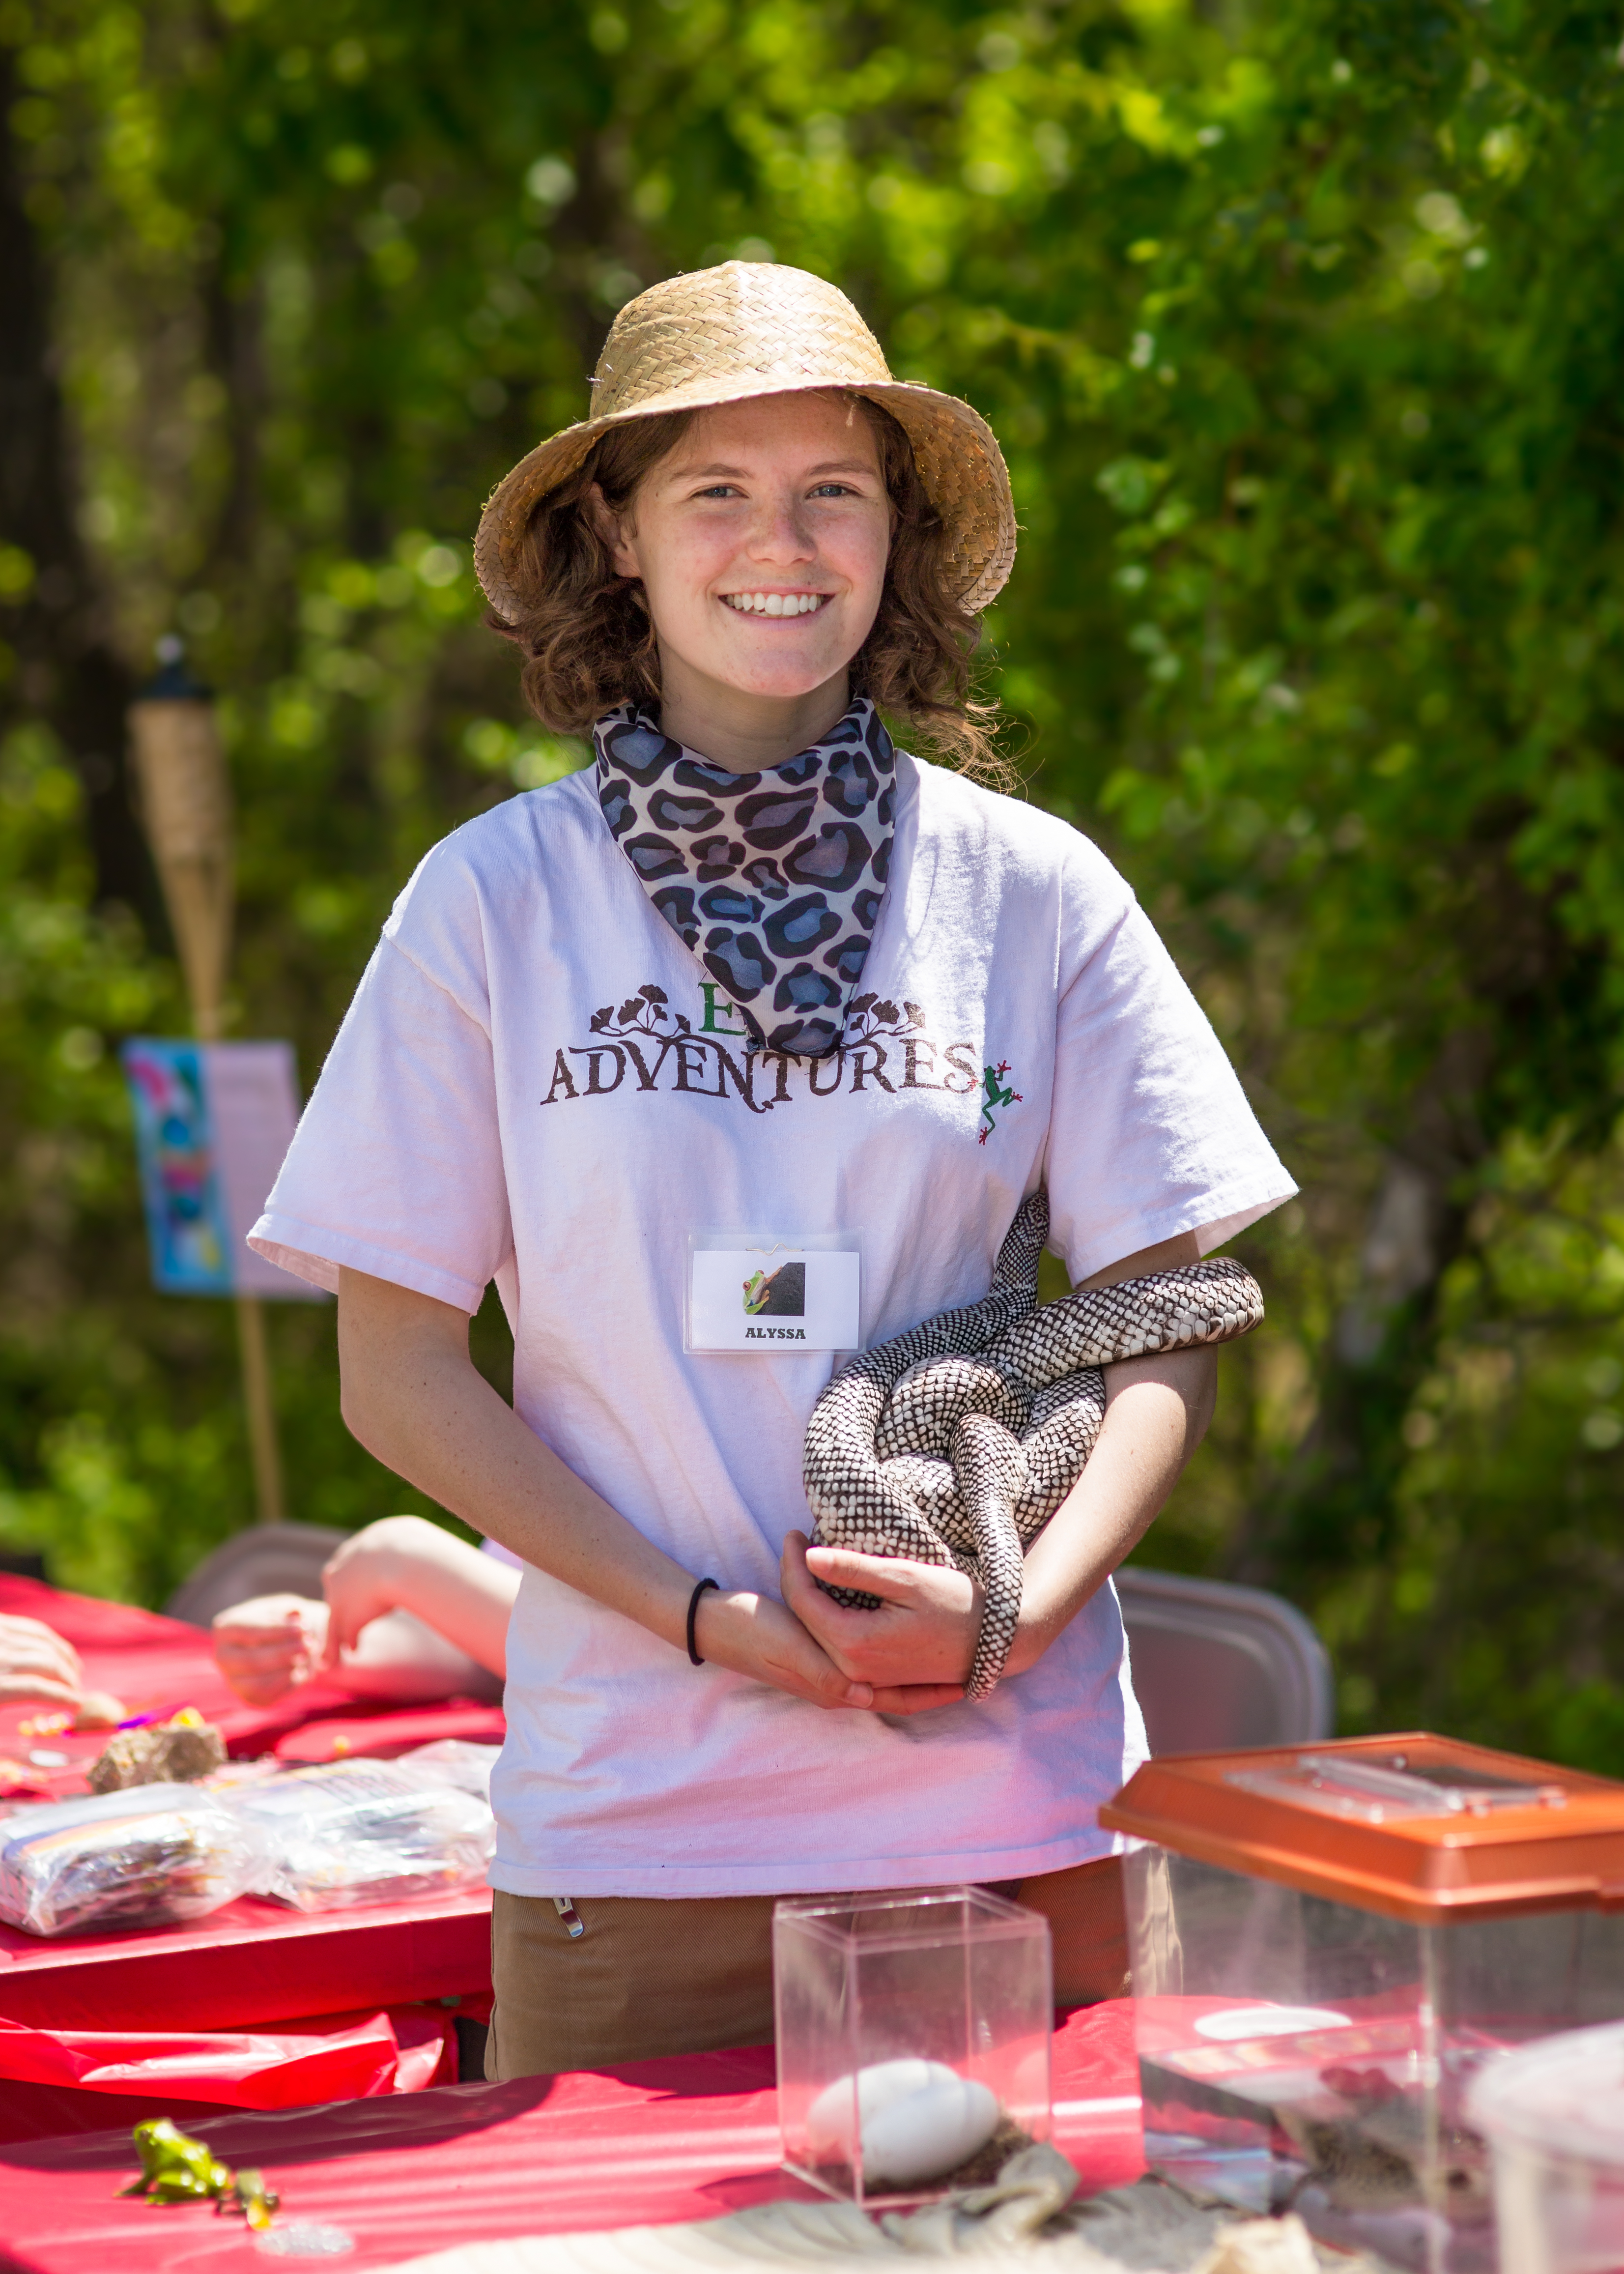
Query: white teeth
[{"x": 775, "y": 603}]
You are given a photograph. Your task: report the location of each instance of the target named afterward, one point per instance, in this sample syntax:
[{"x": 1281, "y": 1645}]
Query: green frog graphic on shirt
[{"x": 993, "y": 1093}]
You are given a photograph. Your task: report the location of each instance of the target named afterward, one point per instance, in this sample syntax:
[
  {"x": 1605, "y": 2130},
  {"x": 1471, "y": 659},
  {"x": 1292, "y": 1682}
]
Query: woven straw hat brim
[{"x": 782, "y": 331}]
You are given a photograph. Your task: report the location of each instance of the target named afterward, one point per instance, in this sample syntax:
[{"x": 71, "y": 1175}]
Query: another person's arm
[
  {"x": 1156, "y": 1414},
  {"x": 37, "y": 1664},
  {"x": 410, "y": 1613},
  {"x": 405, "y": 1563},
  {"x": 413, "y": 1397}
]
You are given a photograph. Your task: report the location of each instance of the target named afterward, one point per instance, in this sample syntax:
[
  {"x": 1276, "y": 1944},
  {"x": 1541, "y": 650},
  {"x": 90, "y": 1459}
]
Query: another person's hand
[
  {"x": 268, "y": 1645},
  {"x": 37, "y": 1664},
  {"x": 922, "y": 1638},
  {"x": 406, "y": 1565},
  {"x": 754, "y": 1636},
  {"x": 379, "y": 1570}
]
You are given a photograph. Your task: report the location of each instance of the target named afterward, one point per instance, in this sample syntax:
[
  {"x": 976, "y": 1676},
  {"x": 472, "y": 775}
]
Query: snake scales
[{"x": 957, "y": 1442}]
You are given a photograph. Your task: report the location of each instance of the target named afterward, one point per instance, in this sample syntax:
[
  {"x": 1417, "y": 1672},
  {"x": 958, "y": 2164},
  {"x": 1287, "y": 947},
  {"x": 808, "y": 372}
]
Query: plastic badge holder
[
  {"x": 367, "y": 1831},
  {"x": 912, "y": 2039},
  {"x": 152, "y": 1856},
  {"x": 1553, "y": 2114},
  {"x": 1327, "y": 1945},
  {"x": 767, "y": 1294}
]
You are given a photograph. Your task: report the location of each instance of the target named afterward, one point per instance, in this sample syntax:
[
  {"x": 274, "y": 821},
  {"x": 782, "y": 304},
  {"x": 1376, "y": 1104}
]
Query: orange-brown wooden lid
[{"x": 1420, "y": 1827}]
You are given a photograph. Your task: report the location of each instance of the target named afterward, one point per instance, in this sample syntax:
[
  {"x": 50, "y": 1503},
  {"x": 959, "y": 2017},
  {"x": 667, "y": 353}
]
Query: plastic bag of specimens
[
  {"x": 151, "y": 1856},
  {"x": 367, "y": 1831}
]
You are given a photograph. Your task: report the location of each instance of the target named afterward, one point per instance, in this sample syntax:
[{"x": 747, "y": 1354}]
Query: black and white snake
[{"x": 957, "y": 1442}]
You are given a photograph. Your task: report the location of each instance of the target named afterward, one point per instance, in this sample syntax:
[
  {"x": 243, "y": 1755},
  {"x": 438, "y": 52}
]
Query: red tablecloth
[
  {"x": 252, "y": 1962},
  {"x": 658, "y": 2142}
]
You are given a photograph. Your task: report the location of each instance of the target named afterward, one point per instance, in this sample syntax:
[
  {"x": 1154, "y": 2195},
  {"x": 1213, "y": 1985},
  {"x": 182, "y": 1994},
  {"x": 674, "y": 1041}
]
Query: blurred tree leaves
[{"x": 1301, "y": 326}]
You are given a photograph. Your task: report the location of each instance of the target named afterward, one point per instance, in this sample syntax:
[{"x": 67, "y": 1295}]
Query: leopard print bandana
[{"x": 779, "y": 904}]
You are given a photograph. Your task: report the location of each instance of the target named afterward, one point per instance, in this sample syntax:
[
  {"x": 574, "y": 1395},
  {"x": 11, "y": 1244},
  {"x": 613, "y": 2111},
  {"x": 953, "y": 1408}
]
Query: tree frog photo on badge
[{"x": 782, "y": 1296}]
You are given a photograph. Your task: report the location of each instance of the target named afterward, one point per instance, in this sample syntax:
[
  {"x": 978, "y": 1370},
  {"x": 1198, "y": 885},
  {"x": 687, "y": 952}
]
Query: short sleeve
[
  {"x": 1151, "y": 1133},
  {"x": 396, "y": 1166}
]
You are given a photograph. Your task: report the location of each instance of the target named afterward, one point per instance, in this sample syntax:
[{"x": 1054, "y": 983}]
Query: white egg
[
  {"x": 919, "y": 2120},
  {"x": 929, "y": 2133},
  {"x": 830, "y": 2117}
]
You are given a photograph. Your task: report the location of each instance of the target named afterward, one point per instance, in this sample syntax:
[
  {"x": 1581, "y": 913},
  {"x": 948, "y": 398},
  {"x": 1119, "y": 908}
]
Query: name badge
[{"x": 770, "y": 1293}]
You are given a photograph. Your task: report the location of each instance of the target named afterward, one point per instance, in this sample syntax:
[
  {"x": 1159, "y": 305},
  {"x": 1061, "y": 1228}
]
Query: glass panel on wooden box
[
  {"x": 1327, "y": 1945},
  {"x": 913, "y": 2038}
]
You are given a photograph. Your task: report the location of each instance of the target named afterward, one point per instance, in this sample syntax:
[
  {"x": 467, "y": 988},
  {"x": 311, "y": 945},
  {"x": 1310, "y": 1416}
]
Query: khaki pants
[{"x": 653, "y": 1975}]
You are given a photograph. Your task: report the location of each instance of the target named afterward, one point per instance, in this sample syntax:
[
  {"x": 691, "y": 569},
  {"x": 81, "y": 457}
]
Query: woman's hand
[
  {"x": 35, "y": 1663},
  {"x": 270, "y": 1644},
  {"x": 752, "y": 1635},
  {"x": 922, "y": 1638}
]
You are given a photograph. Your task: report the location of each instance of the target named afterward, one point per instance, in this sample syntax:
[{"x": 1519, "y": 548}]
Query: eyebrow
[{"x": 681, "y": 473}]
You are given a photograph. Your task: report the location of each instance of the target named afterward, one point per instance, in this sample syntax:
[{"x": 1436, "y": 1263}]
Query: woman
[{"x": 756, "y": 977}]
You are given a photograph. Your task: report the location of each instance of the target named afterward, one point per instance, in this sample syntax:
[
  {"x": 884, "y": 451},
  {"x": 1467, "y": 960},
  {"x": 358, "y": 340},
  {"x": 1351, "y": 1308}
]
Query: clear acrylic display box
[
  {"x": 913, "y": 2036},
  {"x": 1328, "y": 1945},
  {"x": 1554, "y": 2115}
]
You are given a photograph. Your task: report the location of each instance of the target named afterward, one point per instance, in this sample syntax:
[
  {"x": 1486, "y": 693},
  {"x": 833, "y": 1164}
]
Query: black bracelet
[{"x": 694, "y": 1659}]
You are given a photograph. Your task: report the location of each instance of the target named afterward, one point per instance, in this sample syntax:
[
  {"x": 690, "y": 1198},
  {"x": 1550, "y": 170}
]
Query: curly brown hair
[{"x": 588, "y": 642}]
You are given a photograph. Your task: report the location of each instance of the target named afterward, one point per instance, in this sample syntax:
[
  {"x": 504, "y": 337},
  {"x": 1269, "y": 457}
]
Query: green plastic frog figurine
[{"x": 175, "y": 2169}]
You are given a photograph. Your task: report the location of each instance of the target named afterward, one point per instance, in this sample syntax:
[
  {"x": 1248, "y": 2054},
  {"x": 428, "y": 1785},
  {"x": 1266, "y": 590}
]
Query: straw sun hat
[{"x": 755, "y": 328}]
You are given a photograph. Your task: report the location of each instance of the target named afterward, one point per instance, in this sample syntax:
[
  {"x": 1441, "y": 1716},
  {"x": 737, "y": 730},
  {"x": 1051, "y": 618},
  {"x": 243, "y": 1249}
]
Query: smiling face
[{"x": 760, "y": 544}]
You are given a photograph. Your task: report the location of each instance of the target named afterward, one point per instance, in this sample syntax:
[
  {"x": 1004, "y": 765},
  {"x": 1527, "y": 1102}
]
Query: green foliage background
[{"x": 1302, "y": 324}]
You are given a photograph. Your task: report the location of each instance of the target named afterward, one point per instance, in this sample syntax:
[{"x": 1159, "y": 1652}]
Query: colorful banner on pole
[{"x": 213, "y": 1121}]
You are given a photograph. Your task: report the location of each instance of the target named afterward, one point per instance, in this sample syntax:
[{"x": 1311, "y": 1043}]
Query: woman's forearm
[
  {"x": 1156, "y": 1414},
  {"x": 414, "y": 1399},
  {"x": 1157, "y": 1409},
  {"x": 412, "y": 1396}
]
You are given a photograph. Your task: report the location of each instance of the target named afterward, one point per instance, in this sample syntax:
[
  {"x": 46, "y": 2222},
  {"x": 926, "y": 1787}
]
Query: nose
[{"x": 781, "y": 531}]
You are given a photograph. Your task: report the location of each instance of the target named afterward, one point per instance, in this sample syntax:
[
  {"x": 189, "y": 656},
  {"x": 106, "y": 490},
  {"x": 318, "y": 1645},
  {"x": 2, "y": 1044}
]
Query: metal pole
[{"x": 186, "y": 805}]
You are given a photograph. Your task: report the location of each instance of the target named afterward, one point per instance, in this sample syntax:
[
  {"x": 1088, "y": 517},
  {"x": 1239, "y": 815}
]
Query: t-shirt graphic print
[{"x": 650, "y": 1044}]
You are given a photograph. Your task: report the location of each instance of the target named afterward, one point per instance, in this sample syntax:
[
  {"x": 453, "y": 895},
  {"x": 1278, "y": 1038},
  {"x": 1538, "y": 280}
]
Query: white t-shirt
[{"x": 510, "y": 1096}]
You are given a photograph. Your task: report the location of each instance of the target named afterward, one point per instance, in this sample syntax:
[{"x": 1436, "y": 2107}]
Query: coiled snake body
[{"x": 957, "y": 1442}]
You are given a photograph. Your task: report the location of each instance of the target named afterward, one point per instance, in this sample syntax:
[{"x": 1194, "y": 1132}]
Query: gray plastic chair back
[
  {"x": 1216, "y": 1666},
  {"x": 267, "y": 1559}
]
